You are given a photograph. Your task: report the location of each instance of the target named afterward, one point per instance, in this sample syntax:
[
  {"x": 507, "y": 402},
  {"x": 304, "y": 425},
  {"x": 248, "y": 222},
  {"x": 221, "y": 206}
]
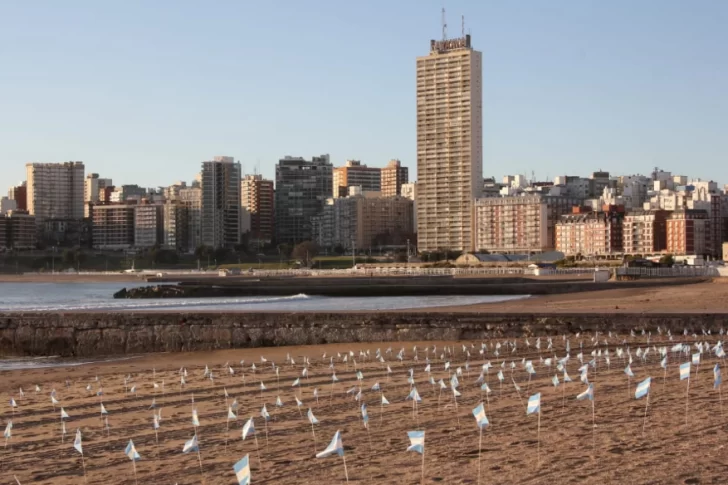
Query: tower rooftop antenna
[{"x": 444, "y": 25}]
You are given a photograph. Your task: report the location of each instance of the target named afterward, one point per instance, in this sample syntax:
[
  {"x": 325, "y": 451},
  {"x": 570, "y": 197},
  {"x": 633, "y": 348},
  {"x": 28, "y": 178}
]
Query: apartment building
[
  {"x": 394, "y": 175},
  {"x": 449, "y": 144},
  {"x": 18, "y": 230},
  {"x": 258, "y": 199},
  {"x": 112, "y": 226},
  {"x": 175, "y": 226},
  {"x": 354, "y": 174},
  {"x": 92, "y": 188},
  {"x": 191, "y": 200},
  {"x": 302, "y": 188},
  {"x": 55, "y": 190},
  {"x": 365, "y": 221},
  {"x": 519, "y": 224},
  {"x": 221, "y": 211},
  {"x": 148, "y": 225},
  {"x": 688, "y": 232},
  {"x": 590, "y": 234},
  {"x": 645, "y": 232},
  {"x": 19, "y": 193}
]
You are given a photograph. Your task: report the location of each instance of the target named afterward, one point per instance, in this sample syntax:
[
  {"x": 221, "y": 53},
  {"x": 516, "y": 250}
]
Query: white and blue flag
[
  {"x": 131, "y": 452},
  {"x": 242, "y": 471},
  {"x": 534, "y": 404},
  {"x": 311, "y": 418},
  {"x": 365, "y": 415},
  {"x": 588, "y": 394},
  {"x": 685, "y": 371},
  {"x": 480, "y": 418},
  {"x": 717, "y": 379},
  {"x": 628, "y": 371},
  {"x": 248, "y": 428},
  {"x": 77, "y": 442},
  {"x": 414, "y": 395},
  {"x": 417, "y": 441},
  {"x": 190, "y": 445},
  {"x": 643, "y": 388},
  {"x": 336, "y": 447}
]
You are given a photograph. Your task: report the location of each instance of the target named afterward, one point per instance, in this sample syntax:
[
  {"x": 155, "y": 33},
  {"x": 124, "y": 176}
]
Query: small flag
[
  {"x": 534, "y": 404},
  {"x": 566, "y": 376},
  {"x": 299, "y": 403},
  {"x": 231, "y": 414},
  {"x": 384, "y": 400},
  {"x": 335, "y": 447},
  {"x": 190, "y": 445},
  {"x": 696, "y": 358},
  {"x": 279, "y": 403},
  {"x": 375, "y": 387},
  {"x": 365, "y": 415},
  {"x": 77, "y": 442},
  {"x": 500, "y": 375},
  {"x": 13, "y": 404},
  {"x": 685, "y": 371},
  {"x": 555, "y": 380},
  {"x": 103, "y": 409},
  {"x": 717, "y": 379},
  {"x": 249, "y": 428},
  {"x": 588, "y": 394},
  {"x": 264, "y": 413},
  {"x": 242, "y": 471},
  {"x": 642, "y": 388},
  {"x": 8, "y": 431},
  {"x": 155, "y": 421},
  {"x": 64, "y": 414},
  {"x": 663, "y": 362},
  {"x": 195, "y": 419},
  {"x": 628, "y": 371},
  {"x": 131, "y": 452},
  {"x": 297, "y": 382},
  {"x": 311, "y": 418},
  {"x": 414, "y": 395},
  {"x": 417, "y": 441},
  {"x": 480, "y": 418}
]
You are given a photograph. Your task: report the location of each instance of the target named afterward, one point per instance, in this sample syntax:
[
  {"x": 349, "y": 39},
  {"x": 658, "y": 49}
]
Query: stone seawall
[{"x": 104, "y": 334}]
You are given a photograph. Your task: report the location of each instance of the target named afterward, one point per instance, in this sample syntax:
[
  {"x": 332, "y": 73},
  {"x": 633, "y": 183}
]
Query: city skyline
[{"x": 621, "y": 87}]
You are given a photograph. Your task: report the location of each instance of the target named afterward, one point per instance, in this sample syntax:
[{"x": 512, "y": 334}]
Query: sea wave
[{"x": 161, "y": 304}]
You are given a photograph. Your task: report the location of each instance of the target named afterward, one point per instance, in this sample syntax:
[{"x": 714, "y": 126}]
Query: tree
[
  {"x": 305, "y": 252},
  {"x": 667, "y": 260}
]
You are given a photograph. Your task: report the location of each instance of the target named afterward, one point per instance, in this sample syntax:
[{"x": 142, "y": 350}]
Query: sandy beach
[{"x": 669, "y": 452}]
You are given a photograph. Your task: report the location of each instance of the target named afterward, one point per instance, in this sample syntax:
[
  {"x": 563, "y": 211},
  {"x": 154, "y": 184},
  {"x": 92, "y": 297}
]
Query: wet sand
[
  {"x": 669, "y": 452},
  {"x": 706, "y": 297}
]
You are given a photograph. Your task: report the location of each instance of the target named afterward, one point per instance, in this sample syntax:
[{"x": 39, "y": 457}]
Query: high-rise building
[
  {"x": 175, "y": 232},
  {"x": 191, "y": 199},
  {"x": 55, "y": 190},
  {"x": 257, "y": 198},
  {"x": 393, "y": 176},
  {"x": 148, "y": 225},
  {"x": 92, "y": 188},
  {"x": 220, "y": 218},
  {"x": 302, "y": 188},
  {"x": 353, "y": 173},
  {"x": 112, "y": 226},
  {"x": 449, "y": 144},
  {"x": 20, "y": 230},
  {"x": 19, "y": 193},
  {"x": 409, "y": 191},
  {"x": 645, "y": 232},
  {"x": 362, "y": 222}
]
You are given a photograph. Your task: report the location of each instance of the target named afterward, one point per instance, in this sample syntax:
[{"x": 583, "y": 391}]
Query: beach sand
[{"x": 668, "y": 452}]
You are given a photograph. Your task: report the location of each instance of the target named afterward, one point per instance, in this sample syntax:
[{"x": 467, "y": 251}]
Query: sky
[{"x": 143, "y": 92}]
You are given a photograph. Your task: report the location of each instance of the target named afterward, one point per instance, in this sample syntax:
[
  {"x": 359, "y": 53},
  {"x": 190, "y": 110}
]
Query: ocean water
[{"x": 98, "y": 297}]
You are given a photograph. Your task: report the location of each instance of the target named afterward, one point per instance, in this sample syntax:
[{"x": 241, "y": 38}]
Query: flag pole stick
[
  {"x": 563, "y": 397},
  {"x": 199, "y": 458},
  {"x": 423, "y": 465},
  {"x": 647, "y": 403},
  {"x": 628, "y": 386},
  {"x": 594, "y": 427},
  {"x": 265, "y": 420},
  {"x": 133, "y": 464},
  {"x": 83, "y": 464},
  {"x": 381, "y": 411},
  {"x": 480, "y": 447},
  {"x": 314, "y": 439},
  {"x": 687, "y": 401},
  {"x": 538, "y": 450},
  {"x": 720, "y": 396},
  {"x": 257, "y": 449},
  {"x": 227, "y": 430},
  {"x": 346, "y": 472},
  {"x": 156, "y": 439}
]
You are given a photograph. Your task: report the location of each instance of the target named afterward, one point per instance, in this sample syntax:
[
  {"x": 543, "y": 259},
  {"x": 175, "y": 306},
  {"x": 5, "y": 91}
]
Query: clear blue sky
[{"x": 143, "y": 91}]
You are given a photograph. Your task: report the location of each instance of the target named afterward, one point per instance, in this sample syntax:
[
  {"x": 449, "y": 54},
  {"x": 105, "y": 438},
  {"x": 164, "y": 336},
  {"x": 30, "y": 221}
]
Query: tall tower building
[
  {"x": 257, "y": 199},
  {"x": 55, "y": 190},
  {"x": 353, "y": 173},
  {"x": 393, "y": 176},
  {"x": 302, "y": 188},
  {"x": 220, "y": 217},
  {"x": 449, "y": 144}
]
